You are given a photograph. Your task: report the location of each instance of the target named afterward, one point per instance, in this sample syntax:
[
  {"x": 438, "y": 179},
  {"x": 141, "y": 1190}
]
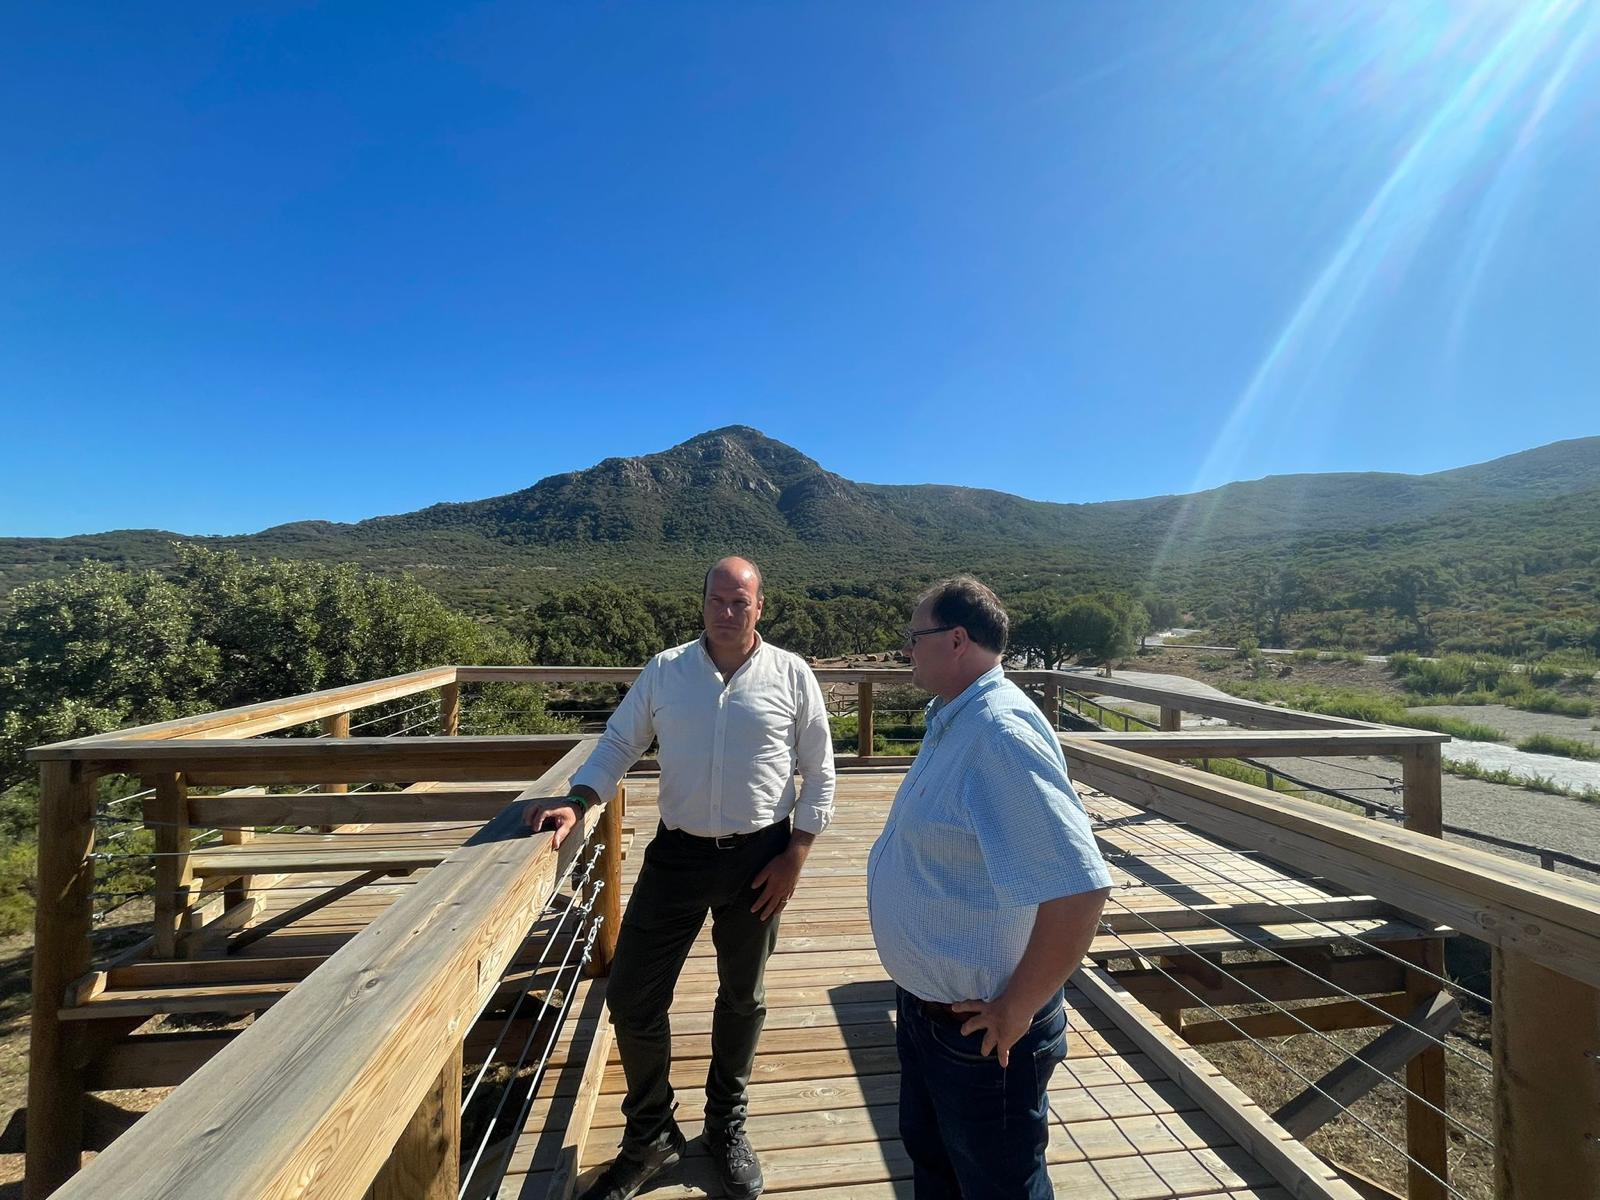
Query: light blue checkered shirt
[{"x": 984, "y": 829}]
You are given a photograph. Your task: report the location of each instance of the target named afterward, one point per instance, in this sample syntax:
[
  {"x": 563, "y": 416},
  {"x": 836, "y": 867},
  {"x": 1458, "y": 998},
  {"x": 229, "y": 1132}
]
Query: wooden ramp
[{"x": 1136, "y": 1113}]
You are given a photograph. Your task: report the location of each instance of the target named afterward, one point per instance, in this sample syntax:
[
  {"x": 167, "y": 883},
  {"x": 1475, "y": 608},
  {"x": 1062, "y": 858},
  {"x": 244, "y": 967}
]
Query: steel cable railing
[
  {"x": 1311, "y": 1084},
  {"x": 531, "y": 1085},
  {"x": 1232, "y": 880}
]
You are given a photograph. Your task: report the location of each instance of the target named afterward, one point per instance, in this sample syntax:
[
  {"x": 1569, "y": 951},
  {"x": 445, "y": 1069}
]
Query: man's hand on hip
[
  {"x": 1001, "y": 1020},
  {"x": 777, "y": 880},
  {"x": 558, "y": 814}
]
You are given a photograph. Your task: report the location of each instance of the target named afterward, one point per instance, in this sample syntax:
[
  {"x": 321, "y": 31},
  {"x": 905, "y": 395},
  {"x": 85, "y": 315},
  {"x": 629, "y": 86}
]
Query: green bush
[
  {"x": 1363, "y": 706},
  {"x": 1549, "y": 743},
  {"x": 1550, "y": 702},
  {"x": 16, "y": 889}
]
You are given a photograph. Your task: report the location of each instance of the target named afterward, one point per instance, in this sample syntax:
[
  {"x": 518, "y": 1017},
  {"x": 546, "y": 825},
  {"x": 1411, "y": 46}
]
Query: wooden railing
[{"x": 316, "y": 1098}]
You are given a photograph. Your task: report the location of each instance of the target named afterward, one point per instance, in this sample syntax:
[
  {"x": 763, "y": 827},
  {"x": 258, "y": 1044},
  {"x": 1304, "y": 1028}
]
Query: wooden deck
[{"x": 1136, "y": 1113}]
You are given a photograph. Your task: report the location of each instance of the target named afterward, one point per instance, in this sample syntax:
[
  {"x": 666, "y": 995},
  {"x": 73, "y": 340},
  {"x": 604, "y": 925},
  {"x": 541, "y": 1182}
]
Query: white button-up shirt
[
  {"x": 729, "y": 748},
  {"x": 984, "y": 829}
]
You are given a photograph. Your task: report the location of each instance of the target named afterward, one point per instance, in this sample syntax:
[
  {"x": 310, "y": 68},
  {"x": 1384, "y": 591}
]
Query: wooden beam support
[
  {"x": 167, "y": 811},
  {"x": 336, "y": 727},
  {"x": 1427, "y": 1132},
  {"x": 450, "y": 709},
  {"x": 608, "y": 906},
  {"x": 1050, "y": 703},
  {"x": 1546, "y": 1039},
  {"x": 1369, "y": 1067},
  {"x": 864, "y": 719},
  {"x": 318, "y": 761},
  {"x": 1422, "y": 780},
  {"x": 211, "y": 938},
  {"x": 1335, "y": 1014},
  {"x": 354, "y": 808},
  {"x": 1171, "y": 719},
  {"x": 62, "y": 918},
  {"x": 1247, "y": 983},
  {"x": 425, "y": 1163}
]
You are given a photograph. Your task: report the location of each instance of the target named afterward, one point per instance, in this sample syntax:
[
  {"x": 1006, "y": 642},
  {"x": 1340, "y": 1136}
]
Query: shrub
[
  {"x": 1549, "y": 743},
  {"x": 1550, "y": 702}
]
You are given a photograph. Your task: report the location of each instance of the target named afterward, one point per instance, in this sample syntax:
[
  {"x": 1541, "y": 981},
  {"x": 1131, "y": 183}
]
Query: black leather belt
[{"x": 728, "y": 841}]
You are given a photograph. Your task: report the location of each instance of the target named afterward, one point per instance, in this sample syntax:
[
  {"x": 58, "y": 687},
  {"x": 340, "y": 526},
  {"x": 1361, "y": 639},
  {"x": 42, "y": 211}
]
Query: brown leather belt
[{"x": 938, "y": 1011}]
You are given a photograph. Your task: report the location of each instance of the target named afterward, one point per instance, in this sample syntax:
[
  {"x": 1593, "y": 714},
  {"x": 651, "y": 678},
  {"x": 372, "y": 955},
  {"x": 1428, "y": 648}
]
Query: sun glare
[{"x": 1471, "y": 149}]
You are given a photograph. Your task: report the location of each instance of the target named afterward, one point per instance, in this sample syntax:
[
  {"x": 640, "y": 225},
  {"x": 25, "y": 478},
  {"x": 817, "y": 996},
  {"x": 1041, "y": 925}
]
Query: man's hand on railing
[{"x": 558, "y": 814}]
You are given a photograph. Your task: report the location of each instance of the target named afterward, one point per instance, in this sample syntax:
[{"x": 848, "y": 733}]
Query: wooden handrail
[
  {"x": 1269, "y": 743},
  {"x": 269, "y": 716},
  {"x": 324, "y": 760},
  {"x": 251, "y": 719},
  {"x": 1553, "y": 920},
  {"x": 309, "y": 1100}
]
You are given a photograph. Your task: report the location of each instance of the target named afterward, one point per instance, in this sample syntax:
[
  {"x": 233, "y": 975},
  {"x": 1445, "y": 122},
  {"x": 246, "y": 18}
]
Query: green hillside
[{"x": 1514, "y": 540}]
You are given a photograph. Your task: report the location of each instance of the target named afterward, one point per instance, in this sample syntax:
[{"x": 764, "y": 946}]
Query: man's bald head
[{"x": 736, "y": 569}]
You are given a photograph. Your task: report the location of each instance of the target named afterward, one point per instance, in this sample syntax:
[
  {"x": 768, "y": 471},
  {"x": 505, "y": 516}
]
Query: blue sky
[{"x": 273, "y": 262}]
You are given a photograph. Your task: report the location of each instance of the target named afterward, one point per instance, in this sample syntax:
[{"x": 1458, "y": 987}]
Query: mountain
[{"x": 734, "y": 489}]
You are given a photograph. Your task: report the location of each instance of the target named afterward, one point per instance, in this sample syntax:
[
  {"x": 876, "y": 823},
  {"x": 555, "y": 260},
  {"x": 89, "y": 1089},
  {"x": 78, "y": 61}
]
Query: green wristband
[{"x": 583, "y": 805}]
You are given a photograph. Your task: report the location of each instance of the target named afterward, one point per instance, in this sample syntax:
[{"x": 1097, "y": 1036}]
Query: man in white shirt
[{"x": 736, "y": 718}]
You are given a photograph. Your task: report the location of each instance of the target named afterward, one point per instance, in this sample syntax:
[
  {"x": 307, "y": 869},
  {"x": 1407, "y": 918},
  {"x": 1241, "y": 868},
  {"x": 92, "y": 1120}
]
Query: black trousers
[{"x": 681, "y": 880}]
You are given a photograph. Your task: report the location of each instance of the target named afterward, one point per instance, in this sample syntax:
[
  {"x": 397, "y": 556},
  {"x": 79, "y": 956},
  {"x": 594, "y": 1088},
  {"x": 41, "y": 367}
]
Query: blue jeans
[{"x": 973, "y": 1130}]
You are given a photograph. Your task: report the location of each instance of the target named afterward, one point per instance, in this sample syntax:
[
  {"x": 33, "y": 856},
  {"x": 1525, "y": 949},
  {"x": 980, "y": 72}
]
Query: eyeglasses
[{"x": 913, "y": 634}]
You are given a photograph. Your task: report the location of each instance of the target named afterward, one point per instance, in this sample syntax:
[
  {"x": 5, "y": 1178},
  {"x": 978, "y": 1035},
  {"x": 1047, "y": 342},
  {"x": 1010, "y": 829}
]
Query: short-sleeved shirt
[
  {"x": 985, "y": 827},
  {"x": 730, "y": 748}
]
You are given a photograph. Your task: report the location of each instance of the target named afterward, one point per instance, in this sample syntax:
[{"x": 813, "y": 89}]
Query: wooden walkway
[{"x": 1136, "y": 1113}]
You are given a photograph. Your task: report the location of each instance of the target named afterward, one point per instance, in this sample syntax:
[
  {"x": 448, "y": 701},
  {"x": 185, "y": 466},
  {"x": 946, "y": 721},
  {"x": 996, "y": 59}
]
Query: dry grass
[{"x": 1345, "y": 1140}]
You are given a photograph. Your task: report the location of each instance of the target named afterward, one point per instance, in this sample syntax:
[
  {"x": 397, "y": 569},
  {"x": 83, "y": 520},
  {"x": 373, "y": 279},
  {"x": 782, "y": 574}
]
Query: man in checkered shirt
[{"x": 985, "y": 890}]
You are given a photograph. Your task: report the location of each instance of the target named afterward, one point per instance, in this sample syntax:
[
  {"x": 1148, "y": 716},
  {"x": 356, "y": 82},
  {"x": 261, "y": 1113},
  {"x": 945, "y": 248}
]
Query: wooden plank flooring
[{"x": 823, "y": 1096}]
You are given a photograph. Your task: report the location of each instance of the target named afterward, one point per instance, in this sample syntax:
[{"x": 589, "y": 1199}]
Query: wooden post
[
  {"x": 1171, "y": 720},
  {"x": 62, "y": 918},
  {"x": 1546, "y": 1037},
  {"x": 864, "y": 719},
  {"x": 609, "y": 905},
  {"x": 168, "y": 811},
  {"x": 426, "y": 1161},
  {"x": 1427, "y": 1132},
  {"x": 1422, "y": 779},
  {"x": 336, "y": 726},
  {"x": 450, "y": 709},
  {"x": 1051, "y": 703}
]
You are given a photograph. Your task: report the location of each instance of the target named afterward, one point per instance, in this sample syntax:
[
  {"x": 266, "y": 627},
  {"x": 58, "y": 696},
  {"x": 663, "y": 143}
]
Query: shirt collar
[
  {"x": 711, "y": 663},
  {"x": 940, "y": 713}
]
